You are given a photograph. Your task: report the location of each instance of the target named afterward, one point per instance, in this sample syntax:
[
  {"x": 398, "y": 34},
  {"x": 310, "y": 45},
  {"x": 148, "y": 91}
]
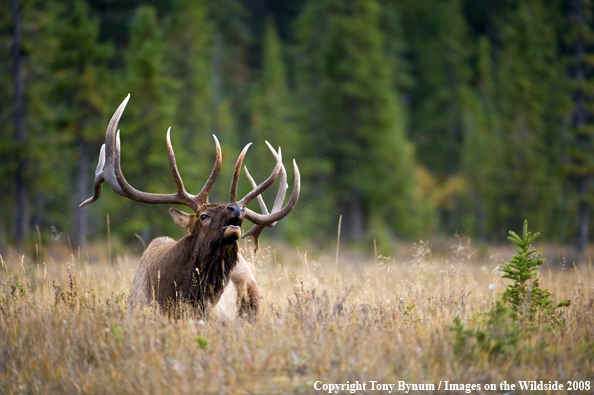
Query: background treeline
[{"x": 408, "y": 117}]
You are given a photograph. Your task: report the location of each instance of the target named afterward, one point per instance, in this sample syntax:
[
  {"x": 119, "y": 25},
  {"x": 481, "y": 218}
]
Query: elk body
[{"x": 204, "y": 267}]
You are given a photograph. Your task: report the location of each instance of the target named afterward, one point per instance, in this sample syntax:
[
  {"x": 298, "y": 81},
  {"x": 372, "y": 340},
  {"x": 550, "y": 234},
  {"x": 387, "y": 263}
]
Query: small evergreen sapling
[
  {"x": 525, "y": 296},
  {"x": 506, "y": 329}
]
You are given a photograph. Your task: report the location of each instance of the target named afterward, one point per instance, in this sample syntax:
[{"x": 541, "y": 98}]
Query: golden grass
[{"x": 78, "y": 338}]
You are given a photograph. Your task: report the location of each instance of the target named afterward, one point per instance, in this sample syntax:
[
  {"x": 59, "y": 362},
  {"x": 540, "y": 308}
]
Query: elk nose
[{"x": 235, "y": 210}]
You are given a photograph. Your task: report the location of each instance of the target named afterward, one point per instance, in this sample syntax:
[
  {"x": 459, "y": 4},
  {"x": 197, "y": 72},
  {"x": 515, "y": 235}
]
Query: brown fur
[{"x": 198, "y": 268}]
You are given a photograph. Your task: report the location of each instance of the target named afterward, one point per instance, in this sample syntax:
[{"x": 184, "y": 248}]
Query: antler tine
[
  {"x": 104, "y": 170},
  {"x": 260, "y": 219},
  {"x": 202, "y": 197},
  {"x": 236, "y": 171},
  {"x": 255, "y": 233},
  {"x": 278, "y": 202},
  {"x": 254, "y": 185},
  {"x": 268, "y": 182},
  {"x": 144, "y": 197},
  {"x": 181, "y": 190},
  {"x": 256, "y": 229},
  {"x": 282, "y": 189},
  {"x": 97, "y": 187},
  {"x": 111, "y": 131}
]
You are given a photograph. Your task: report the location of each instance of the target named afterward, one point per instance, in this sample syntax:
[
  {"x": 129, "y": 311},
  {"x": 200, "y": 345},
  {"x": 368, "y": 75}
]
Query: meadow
[{"x": 65, "y": 328}]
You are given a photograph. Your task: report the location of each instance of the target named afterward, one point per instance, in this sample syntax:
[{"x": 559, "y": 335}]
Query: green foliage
[
  {"x": 438, "y": 43},
  {"x": 580, "y": 166},
  {"x": 202, "y": 342},
  {"x": 404, "y": 117},
  {"x": 146, "y": 120},
  {"x": 482, "y": 150},
  {"x": 78, "y": 98},
  {"x": 524, "y": 296},
  {"x": 512, "y": 120},
  {"x": 189, "y": 40},
  {"x": 500, "y": 335},
  {"x": 408, "y": 312},
  {"x": 353, "y": 115},
  {"x": 117, "y": 333},
  {"x": 14, "y": 290},
  {"x": 272, "y": 113},
  {"x": 527, "y": 92},
  {"x": 507, "y": 328}
]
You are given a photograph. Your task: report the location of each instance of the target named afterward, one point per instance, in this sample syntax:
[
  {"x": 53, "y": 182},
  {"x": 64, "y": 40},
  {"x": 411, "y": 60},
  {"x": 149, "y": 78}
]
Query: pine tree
[
  {"x": 189, "y": 46},
  {"x": 438, "y": 50},
  {"x": 148, "y": 115},
  {"x": 481, "y": 153},
  {"x": 272, "y": 115},
  {"x": 21, "y": 185},
  {"x": 230, "y": 84},
  {"x": 581, "y": 166},
  {"x": 272, "y": 109},
  {"x": 78, "y": 67},
  {"x": 36, "y": 50},
  {"x": 6, "y": 99},
  {"x": 524, "y": 295},
  {"x": 396, "y": 46},
  {"x": 527, "y": 78},
  {"x": 438, "y": 47},
  {"x": 355, "y": 134}
]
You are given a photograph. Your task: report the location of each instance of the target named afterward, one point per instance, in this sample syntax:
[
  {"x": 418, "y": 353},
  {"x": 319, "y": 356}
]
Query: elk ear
[{"x": 181, "y": 219}]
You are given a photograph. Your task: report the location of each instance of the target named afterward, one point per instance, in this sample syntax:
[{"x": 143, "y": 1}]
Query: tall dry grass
[{"x": 64, "y": 327}]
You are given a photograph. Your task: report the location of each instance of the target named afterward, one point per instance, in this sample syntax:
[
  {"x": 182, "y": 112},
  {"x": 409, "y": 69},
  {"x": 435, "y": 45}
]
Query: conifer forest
[{"x": 410, "y": 118}]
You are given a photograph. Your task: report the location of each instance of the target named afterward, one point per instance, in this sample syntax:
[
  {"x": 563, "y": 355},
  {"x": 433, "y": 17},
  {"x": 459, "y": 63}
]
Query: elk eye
[{"x": 204, "y": 217}]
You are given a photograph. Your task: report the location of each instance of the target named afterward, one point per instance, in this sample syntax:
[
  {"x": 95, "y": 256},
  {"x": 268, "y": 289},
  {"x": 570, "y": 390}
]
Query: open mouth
[
  {"x": 232, "y": 230},
  {"x": 234, "y": 222}
]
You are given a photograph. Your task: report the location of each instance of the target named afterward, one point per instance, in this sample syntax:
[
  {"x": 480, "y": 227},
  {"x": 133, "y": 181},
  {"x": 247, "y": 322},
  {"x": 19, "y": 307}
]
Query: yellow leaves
[{"x": 440, "y": 194}]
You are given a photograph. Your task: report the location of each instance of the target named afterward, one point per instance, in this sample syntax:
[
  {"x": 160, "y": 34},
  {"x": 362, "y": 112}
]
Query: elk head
[{"x": 215, "y": 223}]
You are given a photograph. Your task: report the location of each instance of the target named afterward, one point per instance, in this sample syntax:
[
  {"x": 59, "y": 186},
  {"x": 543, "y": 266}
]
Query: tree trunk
[
  {"x": 582, "y": 217},
  {"x": 580, "y": 121},
  {"x": 82, "y": 190},
  {"x": 354, "y": 218},
  {"x": 21, "y": 198}
]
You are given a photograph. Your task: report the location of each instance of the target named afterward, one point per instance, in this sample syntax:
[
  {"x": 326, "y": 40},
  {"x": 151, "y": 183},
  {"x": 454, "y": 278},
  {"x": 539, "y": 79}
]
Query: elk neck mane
[{"x": 210, "y": 263}]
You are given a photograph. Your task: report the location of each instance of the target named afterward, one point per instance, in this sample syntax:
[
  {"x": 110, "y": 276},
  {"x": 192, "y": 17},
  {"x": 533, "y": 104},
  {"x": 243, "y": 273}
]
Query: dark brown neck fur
[{"x": 209, "y": 265}]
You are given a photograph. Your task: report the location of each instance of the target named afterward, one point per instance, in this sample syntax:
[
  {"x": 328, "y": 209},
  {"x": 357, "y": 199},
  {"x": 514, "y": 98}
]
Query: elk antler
[
  {"x": 109, "y": 170},
  {"x": 236, "y": 171},
  {"x": 257, "y": 189},
  {"x": 280, "y": 198},
  {"x": 276, "y": 214}
]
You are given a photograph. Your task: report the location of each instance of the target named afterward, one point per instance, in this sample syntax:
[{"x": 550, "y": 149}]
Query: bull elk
[{"x": 204, "y": 267}]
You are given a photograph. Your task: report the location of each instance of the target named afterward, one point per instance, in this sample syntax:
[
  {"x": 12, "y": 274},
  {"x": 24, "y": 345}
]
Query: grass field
[{"x": 64, "y": 328}]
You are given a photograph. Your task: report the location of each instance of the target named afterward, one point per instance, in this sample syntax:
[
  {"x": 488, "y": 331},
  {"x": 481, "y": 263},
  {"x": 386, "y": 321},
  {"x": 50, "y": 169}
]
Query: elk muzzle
[{"x": 232, "y": 229}]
